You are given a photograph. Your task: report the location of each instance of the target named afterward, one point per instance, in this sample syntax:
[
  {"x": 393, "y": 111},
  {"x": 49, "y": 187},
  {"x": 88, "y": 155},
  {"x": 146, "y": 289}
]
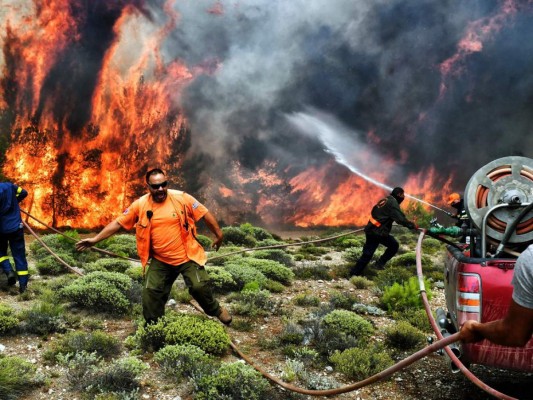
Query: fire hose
[{"x": 442, "y": 343}]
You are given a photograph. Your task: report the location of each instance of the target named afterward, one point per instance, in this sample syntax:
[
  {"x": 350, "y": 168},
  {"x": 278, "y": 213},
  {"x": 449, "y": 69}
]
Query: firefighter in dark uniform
[
  {"x": 377, "y": 231},
  {"x": 12, "y": 234},
  {"x": 455, "y": 201}
]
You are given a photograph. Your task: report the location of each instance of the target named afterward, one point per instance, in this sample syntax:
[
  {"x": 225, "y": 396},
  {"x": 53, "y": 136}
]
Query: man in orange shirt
[{"x": 165, "y": 228}]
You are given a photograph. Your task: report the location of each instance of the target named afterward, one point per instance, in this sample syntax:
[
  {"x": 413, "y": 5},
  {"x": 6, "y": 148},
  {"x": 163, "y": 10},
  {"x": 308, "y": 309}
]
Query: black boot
[
  {"x": 11, "y": 278},
  {"x": 22, "y": 288}
]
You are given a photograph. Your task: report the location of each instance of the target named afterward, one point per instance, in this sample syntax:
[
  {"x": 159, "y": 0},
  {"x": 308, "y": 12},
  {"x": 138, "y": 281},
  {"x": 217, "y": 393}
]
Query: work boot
[
  {"x": 22, "y": 288},
  {"x": 379, "y": 266},
  {"x": 224, "y": 316},
  {"x": 11, "y": 278}
]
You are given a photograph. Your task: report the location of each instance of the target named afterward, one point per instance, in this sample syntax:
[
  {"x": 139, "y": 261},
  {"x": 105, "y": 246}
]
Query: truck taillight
[{"x": 469, "y": 293}]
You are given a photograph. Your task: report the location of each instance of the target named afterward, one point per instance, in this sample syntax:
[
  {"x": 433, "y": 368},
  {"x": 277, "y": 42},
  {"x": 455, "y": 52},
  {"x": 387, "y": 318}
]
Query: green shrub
[
  {"x": 347, "y": 241},
  {"x": 271, "y": 269},
  {"x": 221, "y": 280},
  {"x": 108, "y": 264},
  {"x": 256, "y": 232},
  {"x": 403, "y": 336},
  {"x": 99, "y": 342},
  {"x": 401, "y": 297},
  {"x": 243, "y": 274},
  {"x": 238, "y": 237},
  {"x": 418, "y": 318},
  {"x": 177, "y": 328},
  {"x": 431, "y": 246},
  {"x": 218, "y": 258},
  {"x": 306, "y": 300},
  {"x": 352, "y": 254},
  {"x": 344, "y": 300},
  {"x": 391, "y": 275},
  {"x": 360, "y": 282},
  {"x": 409, "y": 260},
  {"x": 110, "y": 292},
  {"x": 44, "y": 318},
  {"x": 57, "y": 243},
  {"x": 278, "y": 255},
  {"x": 292, "y": 333},
  {"x": 313, "y": 250},
  {"x": 182, "y": 360},
  {"x": 17, "y": 377},
  {"x": 135, "y": 273},
  {"x": 50, "y": 265},
  {"x": 124, "y": 245},
  {"x": 252, "y": 303},
  {"x": 236, "y": 381},
  {"x": 348, "y": 322},
  {"x": 8, "y": 321},
  {"x": 360, "y": 363},
  {"x": 273, "y": 286},
  {"x": 312, "y": 271}
]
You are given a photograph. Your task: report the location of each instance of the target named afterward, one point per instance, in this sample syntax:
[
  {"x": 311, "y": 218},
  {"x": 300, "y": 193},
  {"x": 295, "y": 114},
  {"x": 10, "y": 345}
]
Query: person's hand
[
  {"x": 469, "y": 332},
  {"x": 84, "y": 244},
  {"x": 217, "y": 243}
]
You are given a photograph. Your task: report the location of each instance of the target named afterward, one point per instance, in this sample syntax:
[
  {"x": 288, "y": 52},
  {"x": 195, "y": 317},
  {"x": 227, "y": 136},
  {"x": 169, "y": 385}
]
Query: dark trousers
[
  {"x": 16, "y": 243},
  {"x": 370, "y": 247},
  {"x": 158, "y": 283}
]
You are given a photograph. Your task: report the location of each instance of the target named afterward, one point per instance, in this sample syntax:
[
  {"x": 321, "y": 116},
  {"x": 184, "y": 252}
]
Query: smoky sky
[{"x": 372, "y": 65}]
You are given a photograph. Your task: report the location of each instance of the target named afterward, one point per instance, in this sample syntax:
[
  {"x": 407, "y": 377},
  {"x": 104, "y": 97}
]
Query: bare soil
[{"x": 430, "y": 378}]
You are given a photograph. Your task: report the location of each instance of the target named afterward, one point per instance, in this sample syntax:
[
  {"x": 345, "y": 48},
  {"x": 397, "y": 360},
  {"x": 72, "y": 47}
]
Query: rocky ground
[{"x": 430, "y": 378}]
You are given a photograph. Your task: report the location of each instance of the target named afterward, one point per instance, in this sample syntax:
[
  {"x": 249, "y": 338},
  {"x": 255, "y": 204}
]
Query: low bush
[
  {"x": 135, "y": 273},
  {"x": 409, "y": 260},
  {"x": 44, "y": 318},
  {"x": 108, "y": 264},
  {"x": 348, "y": 241},
  {"x": 243, "y": 274},
  {"x": 124, "y": 245},
  {"x": 219, "y": 258},
  {"x": 49, "y": 265},
  {"x": 97, "y": 342},
  {"x": 418, "y": 318},
  {"x": 8, "y": 321},
  {"x": 343, "y": 300},
  {"x": 252, "y": 303},
  {"x": 17, "y": 377},
  {"x": 231, "y": 381},
  {"x": 360, "y": 282},
  {"x": 221, "y": 280},
  {"x": 352, "y": 255},
  {"x": 182, "y": 360},
  {"x": 360, "y": 363},
  {"x": 205, "y": 241},
  {"x": 391, "y": 275},
  {"x": 273, "y": 286},
  {"x": 177, "y": 328},
  {"x": 278, "y": 255},
  {"x": 405, "y": 296},
  {"x": 431, "y": 246},
  {"x": 403, "y": 336},
  {"x": 312, "y": 271},
  {"x": 269, "y": 268},
  {"x": 109, "y": 292},
  {"x": 238, "y": 237},
  {"x": 255, "y": 231},
  {"x": 292, "y": 333},
  {"x": 306, "y": 300},
  {"x": 57, "y": 243},
  {"x": 348, "y": 322}
]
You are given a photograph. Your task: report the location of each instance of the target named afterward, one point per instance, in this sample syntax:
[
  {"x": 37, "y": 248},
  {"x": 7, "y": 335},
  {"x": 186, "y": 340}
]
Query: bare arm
[
  {"x": 109, "y": 230},
  {"x": 212, "y": 224},
  {"x": 514, "y": 330}
]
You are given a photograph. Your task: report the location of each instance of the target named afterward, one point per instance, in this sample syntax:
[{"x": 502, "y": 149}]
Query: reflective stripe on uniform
[
  {"x": 21, "y": 273},
  {"x": 4, "y": 258},
  {"x": 19, "y": 191},
  {"x": 374, "y": 222}
]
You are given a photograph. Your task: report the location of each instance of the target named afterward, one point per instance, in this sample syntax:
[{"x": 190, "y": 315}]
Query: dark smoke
[{"x": 373, "y": 65}]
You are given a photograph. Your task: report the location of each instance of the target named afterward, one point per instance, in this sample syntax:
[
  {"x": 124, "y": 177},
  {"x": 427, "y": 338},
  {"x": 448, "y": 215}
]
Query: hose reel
[{"x": 496, "y": 195}]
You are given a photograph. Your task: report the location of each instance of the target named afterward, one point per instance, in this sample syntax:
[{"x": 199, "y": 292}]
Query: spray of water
[{"x": 342, "y": 144}]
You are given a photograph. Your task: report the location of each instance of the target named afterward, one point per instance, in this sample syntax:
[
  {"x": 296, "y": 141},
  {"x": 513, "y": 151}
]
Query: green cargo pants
[{"x": 158, "y": 282}]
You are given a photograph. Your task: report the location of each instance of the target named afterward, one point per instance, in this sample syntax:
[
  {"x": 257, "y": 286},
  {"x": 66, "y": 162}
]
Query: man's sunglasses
[{"x": 156, "y": 186}]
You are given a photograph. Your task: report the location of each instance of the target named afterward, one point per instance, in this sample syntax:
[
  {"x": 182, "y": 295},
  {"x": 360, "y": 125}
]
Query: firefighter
[
  {"x": 165, "y": 226},
  {"x": 377, "y": 231},
  {"x": 12, "y": 235},
  {"x": 456, "y": 201}
]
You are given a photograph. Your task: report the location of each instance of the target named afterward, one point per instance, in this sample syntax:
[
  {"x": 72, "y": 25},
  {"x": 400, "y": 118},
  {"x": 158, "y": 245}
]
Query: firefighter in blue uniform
[
  {"x": 377, "y": 231},
  {"x": 12, "y": 235}
]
